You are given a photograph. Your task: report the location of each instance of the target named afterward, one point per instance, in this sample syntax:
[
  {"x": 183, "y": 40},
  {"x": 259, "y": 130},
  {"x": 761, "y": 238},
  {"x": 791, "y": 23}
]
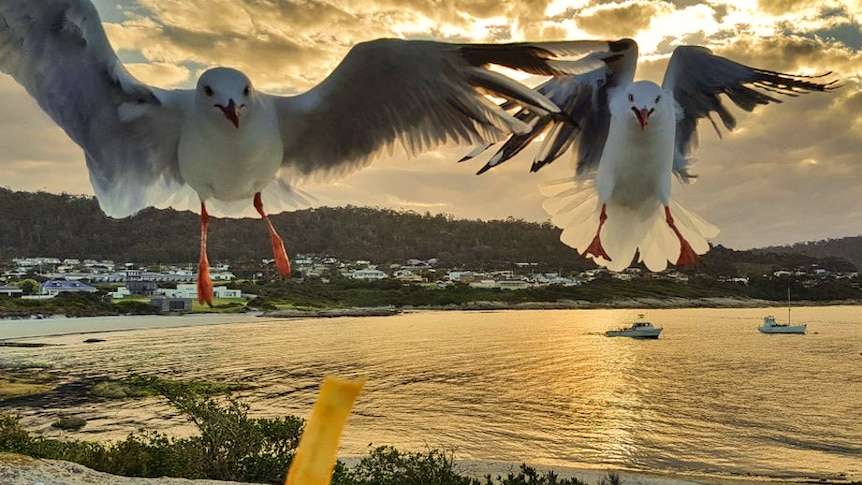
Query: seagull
[
  {"x": 631, "y": 137},
  {"x": 227, "y": 141}
]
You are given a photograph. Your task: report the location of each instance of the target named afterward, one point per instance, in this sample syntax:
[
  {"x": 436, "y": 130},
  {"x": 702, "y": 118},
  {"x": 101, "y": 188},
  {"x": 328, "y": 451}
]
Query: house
[
  {"x": 168, "y": 304},
  {"x": 368, "y": 274},
  {"x": 142, "y": 288},
  {"x": 512, "y": 284},
  {"x": 191, "y": 291},
  {"x": 12, "y": 291},
  {"x": 55, "y": 287},
  {"x": 120, "y": 293}
]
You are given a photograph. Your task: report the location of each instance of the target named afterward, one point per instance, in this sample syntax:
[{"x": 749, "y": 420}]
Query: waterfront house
[
  {"x": 169, "y": 304},
  {"x": 191, "y": 291}
]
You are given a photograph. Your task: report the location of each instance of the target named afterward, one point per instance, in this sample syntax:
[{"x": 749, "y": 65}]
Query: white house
[
  {"x": 120, "y": 293},
  {"x": 191, "y": 291},
  {"x": 512, "y": 284},
  {"x": 368, "y": 274}
]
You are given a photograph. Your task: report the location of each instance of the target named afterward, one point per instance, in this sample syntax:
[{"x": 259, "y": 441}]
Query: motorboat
[
  {"x": 770, "y": 326},
  {"x": 639, "y": 329}
]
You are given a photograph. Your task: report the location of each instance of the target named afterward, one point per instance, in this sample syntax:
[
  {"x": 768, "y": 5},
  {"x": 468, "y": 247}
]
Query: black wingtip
[
  {"x": 484, "y": 169},
  {"x": 537, "y": 165}
]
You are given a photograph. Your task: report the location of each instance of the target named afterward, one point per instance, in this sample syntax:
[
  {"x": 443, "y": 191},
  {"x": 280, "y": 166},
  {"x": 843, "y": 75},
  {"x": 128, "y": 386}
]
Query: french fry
[{"x": 315, "y": 456}]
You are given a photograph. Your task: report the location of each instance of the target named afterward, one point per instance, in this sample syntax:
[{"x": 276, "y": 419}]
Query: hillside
[
  {"x": 848, "y": 248},
  {"x": 69, "y": 226}
]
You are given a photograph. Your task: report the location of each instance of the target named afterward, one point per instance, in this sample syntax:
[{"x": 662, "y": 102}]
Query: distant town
[{"x": 46, "y": 277}]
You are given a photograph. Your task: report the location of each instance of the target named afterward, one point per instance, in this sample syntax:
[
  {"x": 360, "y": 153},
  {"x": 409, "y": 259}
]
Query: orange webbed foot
[{"x": 595, "y": 249}]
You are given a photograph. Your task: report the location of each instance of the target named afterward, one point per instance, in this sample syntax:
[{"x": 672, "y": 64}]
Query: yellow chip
[{"x": 315, "y": 456}]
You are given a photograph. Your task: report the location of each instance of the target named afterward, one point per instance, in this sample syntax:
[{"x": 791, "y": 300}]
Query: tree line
[{"x": 73, "y": 226}]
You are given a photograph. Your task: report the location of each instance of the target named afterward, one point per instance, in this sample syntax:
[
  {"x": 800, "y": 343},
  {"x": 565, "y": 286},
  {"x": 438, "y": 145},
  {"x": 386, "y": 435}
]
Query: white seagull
[
  {"x": 228, "y": 141},
  {"x": 630, "y": 137}
]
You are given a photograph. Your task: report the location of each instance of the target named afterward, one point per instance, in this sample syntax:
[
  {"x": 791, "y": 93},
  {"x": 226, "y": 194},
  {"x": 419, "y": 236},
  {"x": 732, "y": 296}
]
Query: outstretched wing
[
  {"x": 57, "y": 50},
  {"x": 697, "y": 77},
  {"x": 416, "y": 95},
  {"x": 584, "y": 116}
]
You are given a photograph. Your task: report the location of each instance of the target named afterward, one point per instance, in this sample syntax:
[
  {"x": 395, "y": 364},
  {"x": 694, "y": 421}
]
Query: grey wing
[
  {"x": 584, "y": 117},
  {"x": 697, "y": 77},
  {"x": 416, "y": 95},
  {"x": 57, "y": 50}
]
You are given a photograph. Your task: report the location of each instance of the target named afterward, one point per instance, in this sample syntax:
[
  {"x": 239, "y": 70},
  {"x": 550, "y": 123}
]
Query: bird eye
[
  {"x": 246, "y": 91},
  {"x": 631, "y": 98},
  {"x": 657, "y": 99},
  {"x": 208, "y": 91}
]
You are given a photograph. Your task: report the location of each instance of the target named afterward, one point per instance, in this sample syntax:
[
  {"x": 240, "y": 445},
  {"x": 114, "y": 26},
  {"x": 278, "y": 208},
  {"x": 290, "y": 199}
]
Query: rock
[
  {"x": 70, "y": 422},
  {"x": 23, "y": 470}
]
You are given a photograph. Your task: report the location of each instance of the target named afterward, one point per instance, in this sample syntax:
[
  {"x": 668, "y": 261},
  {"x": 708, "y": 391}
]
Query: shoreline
[{"x": 646, "y": 303}]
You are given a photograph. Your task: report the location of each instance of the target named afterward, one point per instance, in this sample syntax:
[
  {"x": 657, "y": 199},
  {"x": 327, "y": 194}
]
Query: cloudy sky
[{"x": 791, "y": 172}]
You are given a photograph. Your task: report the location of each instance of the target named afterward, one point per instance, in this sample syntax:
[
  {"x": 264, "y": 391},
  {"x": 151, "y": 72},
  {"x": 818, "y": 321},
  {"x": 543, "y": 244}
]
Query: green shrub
[
  {"x": 387, "y": 466},
  {"x": 529, "y": 476}
]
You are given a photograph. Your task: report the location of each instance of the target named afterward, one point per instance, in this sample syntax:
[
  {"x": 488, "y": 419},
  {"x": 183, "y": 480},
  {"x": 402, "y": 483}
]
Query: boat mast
[{"x": 788, "y": 304}]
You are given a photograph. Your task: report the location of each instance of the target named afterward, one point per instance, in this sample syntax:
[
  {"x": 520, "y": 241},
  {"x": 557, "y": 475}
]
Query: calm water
[{"x": 711, "y": 396}]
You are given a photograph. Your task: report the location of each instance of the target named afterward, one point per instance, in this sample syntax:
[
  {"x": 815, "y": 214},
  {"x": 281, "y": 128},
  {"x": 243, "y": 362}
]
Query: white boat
[
  {"x": 771, "y": 326},
  {"x": 639, "y": 329}
]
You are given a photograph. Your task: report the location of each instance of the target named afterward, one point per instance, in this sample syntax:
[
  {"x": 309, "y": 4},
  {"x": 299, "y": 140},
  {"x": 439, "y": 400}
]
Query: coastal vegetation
[
  {"x": 351, "y": 293},
  {"x": 77, "y": 304},
  {"x": 231, "y": 445}
]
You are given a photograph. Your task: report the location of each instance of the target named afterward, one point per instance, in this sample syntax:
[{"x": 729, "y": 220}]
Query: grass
[{"x": 220, "y": 305}]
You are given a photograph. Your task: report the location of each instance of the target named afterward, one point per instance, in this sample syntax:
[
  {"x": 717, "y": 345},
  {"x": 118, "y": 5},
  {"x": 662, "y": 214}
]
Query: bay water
[{"x": 712, "y": 396}]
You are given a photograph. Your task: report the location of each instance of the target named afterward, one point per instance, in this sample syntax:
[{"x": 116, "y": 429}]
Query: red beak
[
  {"x": 642, "y": 116},
  {"x": 231, "y": 112}
]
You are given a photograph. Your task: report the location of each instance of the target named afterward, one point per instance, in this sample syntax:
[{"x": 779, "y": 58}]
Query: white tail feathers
[{"x": 575, "y": 207}]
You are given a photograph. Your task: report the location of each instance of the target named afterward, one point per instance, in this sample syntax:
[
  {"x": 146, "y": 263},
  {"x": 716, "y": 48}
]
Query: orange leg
[
  {"x": 687, "y": 256},
  {"x": 595, "y": 248},
  {"x": 205, "y": 284},
  {"x": 281, "y": 260}
]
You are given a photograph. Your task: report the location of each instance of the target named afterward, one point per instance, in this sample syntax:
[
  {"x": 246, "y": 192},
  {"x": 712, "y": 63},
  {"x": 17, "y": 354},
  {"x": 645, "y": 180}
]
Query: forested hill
[
  {"x": 848, "y": 248},
  {"x": 69, "y": 226}
]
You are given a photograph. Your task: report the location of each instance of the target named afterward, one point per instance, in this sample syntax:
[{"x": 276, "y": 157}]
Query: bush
[
  {"x": 529, "y": 476},
  {"x": 387, "y": 466},
  {"x": 234, "y": 446},
  {"x": 231, "y": 445}
]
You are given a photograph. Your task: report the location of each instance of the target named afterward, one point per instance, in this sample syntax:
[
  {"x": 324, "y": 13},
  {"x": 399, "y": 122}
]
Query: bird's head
[
  {"x": 644, "y": 99},
  {"x": 225, "y": 91}
]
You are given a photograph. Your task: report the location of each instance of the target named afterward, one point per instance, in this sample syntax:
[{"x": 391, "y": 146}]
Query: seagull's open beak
[
  {"x": 231, "y": 112},
  {"x": 642, "y": 116}
]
